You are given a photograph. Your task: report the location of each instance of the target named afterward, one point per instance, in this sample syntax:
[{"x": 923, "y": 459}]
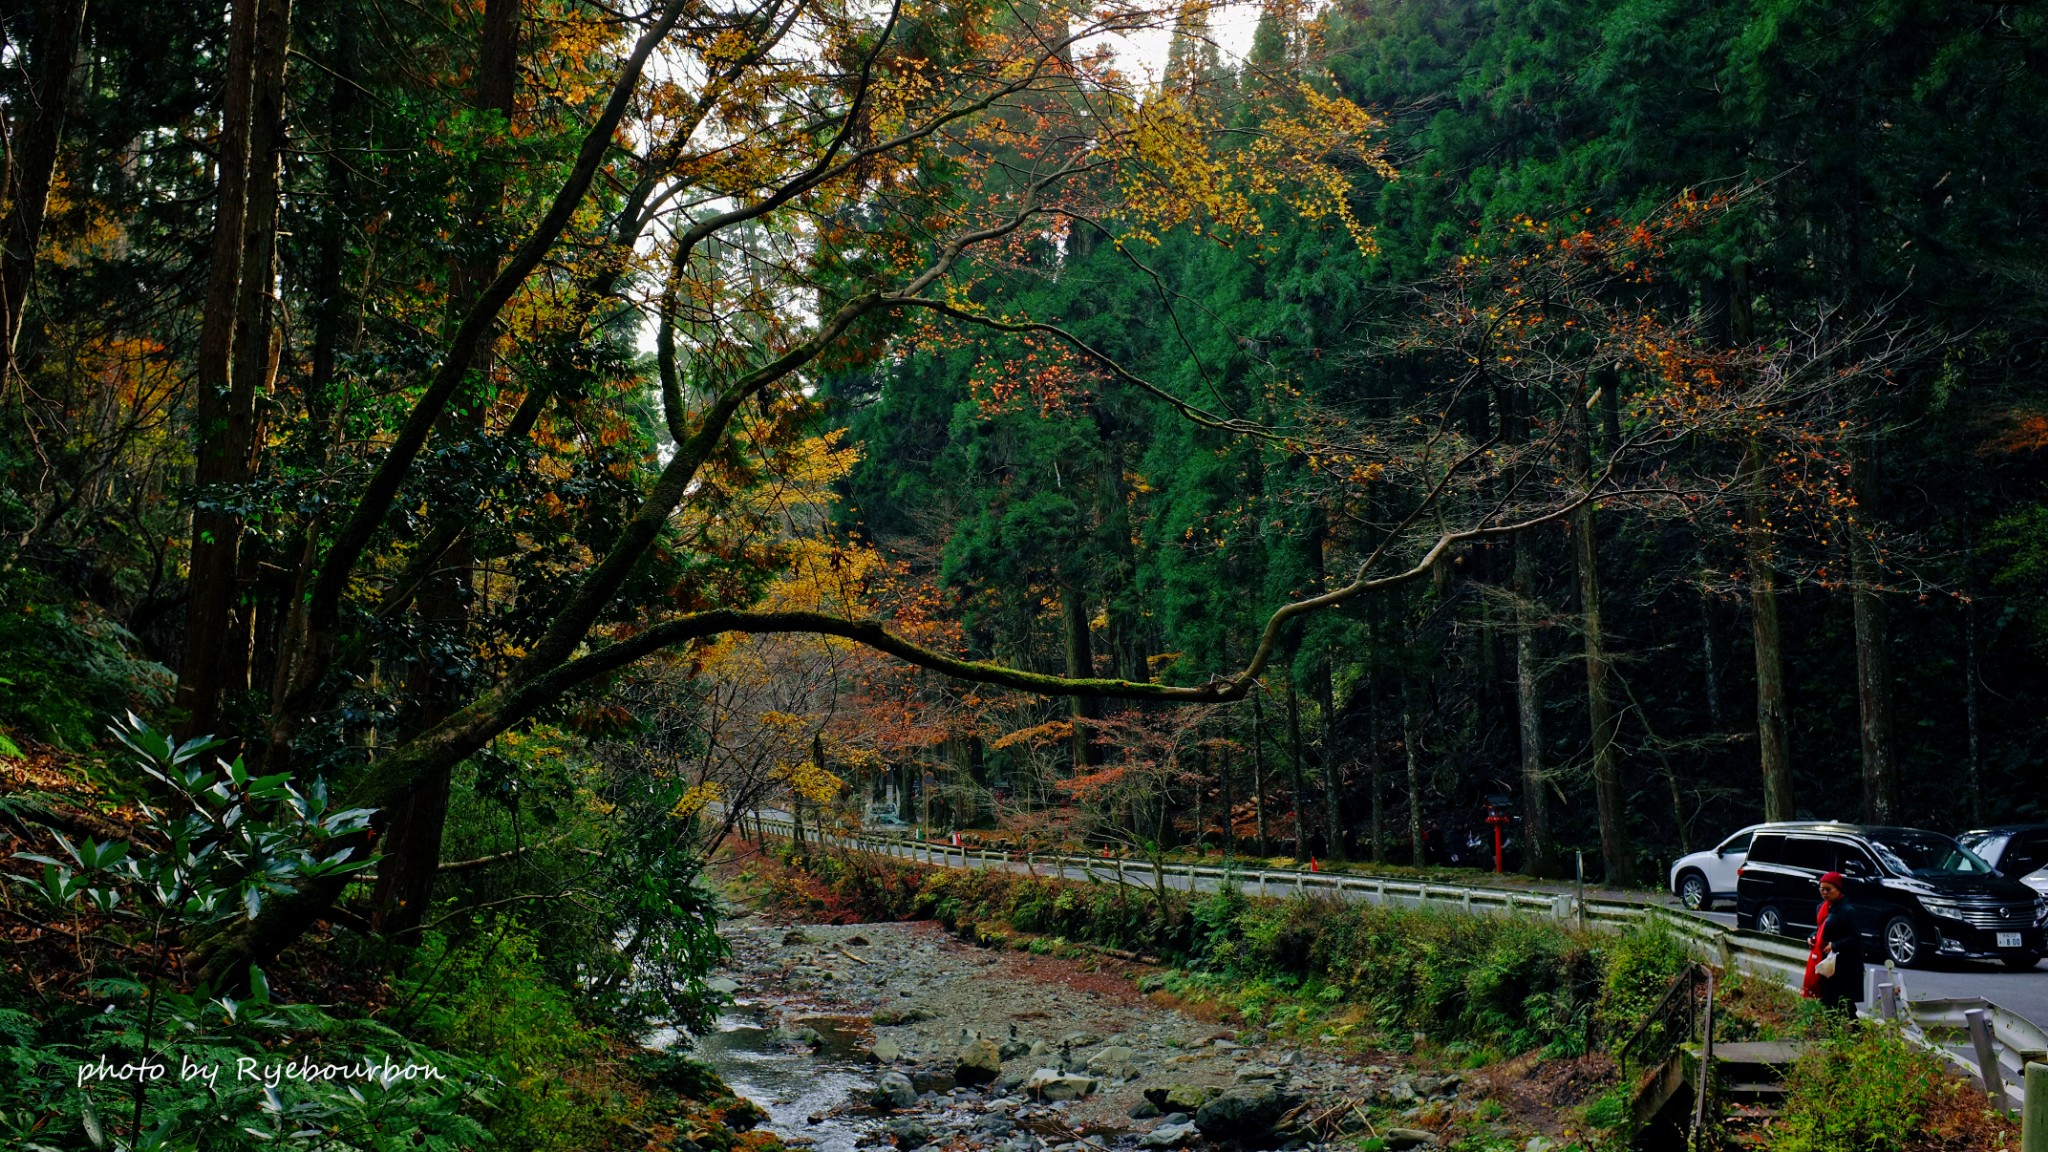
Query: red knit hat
[{"x": 1835, "y": 878}]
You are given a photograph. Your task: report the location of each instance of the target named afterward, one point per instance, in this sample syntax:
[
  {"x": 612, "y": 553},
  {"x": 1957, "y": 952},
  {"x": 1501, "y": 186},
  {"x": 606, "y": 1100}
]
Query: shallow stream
[{"x": 801, "y": 1090}]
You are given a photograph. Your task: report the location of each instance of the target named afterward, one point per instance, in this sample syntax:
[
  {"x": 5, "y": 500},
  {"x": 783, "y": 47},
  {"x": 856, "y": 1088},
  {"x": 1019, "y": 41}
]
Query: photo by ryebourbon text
[{"x": 270, "y": 1073}]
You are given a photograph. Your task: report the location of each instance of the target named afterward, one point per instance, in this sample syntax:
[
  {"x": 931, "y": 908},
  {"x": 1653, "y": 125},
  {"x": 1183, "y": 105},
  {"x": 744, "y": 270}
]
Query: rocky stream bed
[{"x": 900, "y": 1034}]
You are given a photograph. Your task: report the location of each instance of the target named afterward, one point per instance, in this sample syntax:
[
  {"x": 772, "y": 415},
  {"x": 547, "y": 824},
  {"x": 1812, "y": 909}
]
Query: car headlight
[
  {"x": 1947, "y": 908},
  {"x": 2040, "y": 910}
]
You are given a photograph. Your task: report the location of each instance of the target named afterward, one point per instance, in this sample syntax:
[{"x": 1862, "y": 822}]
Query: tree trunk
[
  {"x": 36, "y": 136},
  {"x": 1259, "y": 775},
  {"x": 252, "y": 372},
  {"x": 1538, "y": 853},
  {"x": 1710, "y": 680},
  {"x": 1300, "y": 801},
  {"x": 1080, "y": 663},
  {"x": 1333, "y": 773},
  {"x": 1873, "y": 643},
  {"x": 1375, "y": 632},
  {"x": 1970, "y": 710},
  {"x": 1229, "y": 799},
  {"x": 1409, "y": 732},
  {"x": 1617, "y": 853},
  {"x": 212, "y": 569},
  {"x": 1773, "y": 724}
]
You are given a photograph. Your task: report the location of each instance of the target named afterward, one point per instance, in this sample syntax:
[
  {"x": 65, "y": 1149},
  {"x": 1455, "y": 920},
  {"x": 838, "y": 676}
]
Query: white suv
[{"x": 1704, "y": 877}]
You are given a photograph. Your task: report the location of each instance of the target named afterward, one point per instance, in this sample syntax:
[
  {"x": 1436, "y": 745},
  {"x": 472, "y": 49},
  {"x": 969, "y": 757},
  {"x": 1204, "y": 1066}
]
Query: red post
[{"x": 1499, "y": 820}]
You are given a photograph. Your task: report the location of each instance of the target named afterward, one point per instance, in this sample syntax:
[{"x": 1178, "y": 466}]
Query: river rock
[
  {"x": 1399, "y": 1138},
  {"x": 1051, "y": 1084},
  {"x": 1144, "y": 1110},
  {"x": 1039, "y": 1050},
  {"x": 886, "y": 1017},
  {"x": 1011, "y": 1049},
  {"x": 978, "y": 1063},
  {"x": 795, "y": 936},
  {"x": 1079, "y": 1039},
  {"x": 1256, "y": 1072},
  {"x": 1436, "y": 1085},
  {"x": 1168, "y": 1136},
  {"x": 886, "y": 1050},
  {"x": 1181, "y": 1097},
  {"x": 722, "y": 985},
  {"x": 893, "y": 1090},
  {"x": 1245, "y": 1114},
  {"x": 1114, "y": 1063},
  {"x": 910, "y": 1133}
]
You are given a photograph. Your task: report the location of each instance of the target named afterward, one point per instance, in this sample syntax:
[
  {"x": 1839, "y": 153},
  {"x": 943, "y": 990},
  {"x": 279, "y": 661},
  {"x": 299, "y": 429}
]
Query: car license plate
[{"x": 2008, "y": 939}]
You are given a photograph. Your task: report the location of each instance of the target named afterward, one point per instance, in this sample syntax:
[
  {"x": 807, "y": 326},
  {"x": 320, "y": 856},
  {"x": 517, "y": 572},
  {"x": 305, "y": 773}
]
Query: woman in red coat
[{"x": 1834, "y": 963}]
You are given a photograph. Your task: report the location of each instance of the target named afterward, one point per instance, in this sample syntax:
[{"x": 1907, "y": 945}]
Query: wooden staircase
[{"x": 1745, "y": 1087}]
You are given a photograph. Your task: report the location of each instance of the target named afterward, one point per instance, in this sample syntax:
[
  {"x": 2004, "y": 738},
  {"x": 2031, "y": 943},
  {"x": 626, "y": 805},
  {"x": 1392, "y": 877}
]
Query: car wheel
[
  {"x": 1770, "y": 921},
  {"x": 1901, "y": 941},
  {"x": 1693, "y": 891},
  {"x": 2022, "y": 963}
]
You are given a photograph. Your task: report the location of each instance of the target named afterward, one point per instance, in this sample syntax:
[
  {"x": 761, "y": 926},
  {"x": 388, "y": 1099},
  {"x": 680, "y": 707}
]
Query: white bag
[{"x": 1826, "y": 967}]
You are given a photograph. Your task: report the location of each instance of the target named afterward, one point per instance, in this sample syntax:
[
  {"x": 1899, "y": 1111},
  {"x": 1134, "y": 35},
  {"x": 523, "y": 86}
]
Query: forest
[{"x": 462, "y": 457}]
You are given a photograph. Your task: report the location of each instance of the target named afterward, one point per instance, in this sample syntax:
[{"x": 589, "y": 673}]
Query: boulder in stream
[
  {"x": 1246, "y": 1114},
  {"x": 1181, "y": 1097},
  {"x": 893, "y": 1091},
  {"x": 1051, "y": 1084},
  {"x": 978, "y": 1063},
  {"x": 1115, "y": 1062}
]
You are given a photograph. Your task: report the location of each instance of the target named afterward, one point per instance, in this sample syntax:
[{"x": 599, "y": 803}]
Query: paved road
[{"x": 2025, "y": 993}]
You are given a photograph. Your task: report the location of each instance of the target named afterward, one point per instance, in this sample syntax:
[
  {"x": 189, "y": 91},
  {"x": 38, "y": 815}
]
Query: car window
[
  {"x": 1767, "y": 849},
  {"x": 1814, "y": 855},
  {"x": 1929, "y": 854},
  {"x": 2025, "y": 854},
  {"x": 1736, "y": 843},
  {"x": 1852, "y": 860},
  {"x": 1988, "y": 845}
]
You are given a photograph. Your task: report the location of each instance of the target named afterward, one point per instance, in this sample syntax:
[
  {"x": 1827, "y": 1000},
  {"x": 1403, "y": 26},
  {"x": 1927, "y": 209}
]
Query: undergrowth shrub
[{"x": 1866, "y": 1088}]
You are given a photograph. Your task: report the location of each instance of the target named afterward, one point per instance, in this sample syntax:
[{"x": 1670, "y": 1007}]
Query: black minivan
[{"x": 1915, "y": 895}]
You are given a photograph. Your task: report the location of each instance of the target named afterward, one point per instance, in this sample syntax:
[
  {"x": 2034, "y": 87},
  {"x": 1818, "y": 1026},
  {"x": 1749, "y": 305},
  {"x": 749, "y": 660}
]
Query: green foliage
[
  {"x": 1865, "y": 1089},
  {"x": 1641, "y": 964},
  {"x": 495, "y": 999},
  {"x": 234, "y": 838},
  {"x": 64, "y": 666}
]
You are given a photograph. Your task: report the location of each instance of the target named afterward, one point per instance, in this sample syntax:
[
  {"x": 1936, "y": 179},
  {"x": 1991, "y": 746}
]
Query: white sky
[{"x": 1232, "y": 25}]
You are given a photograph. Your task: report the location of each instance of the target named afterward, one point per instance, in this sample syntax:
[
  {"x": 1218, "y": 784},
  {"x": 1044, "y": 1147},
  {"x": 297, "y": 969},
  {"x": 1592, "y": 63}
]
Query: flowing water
[{"x": 791, "y": 1083}]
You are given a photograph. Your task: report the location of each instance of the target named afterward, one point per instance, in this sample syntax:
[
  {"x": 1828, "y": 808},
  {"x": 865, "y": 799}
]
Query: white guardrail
[{"x": 1991, "y": 1045}]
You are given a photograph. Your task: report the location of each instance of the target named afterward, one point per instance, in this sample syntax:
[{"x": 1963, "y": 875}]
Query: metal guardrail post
[
  {"x": 2034, "y": 1115},
  {"x": 1987, "y": 1053},
  {"x": 1699, "y": 1096},
  {"x": 1579, "y": 889}
]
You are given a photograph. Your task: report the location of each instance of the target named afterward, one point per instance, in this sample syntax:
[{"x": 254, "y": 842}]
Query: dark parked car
[
  {"x": 2018, "y": 851},
  {"x": 1916, "y": 894}
]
